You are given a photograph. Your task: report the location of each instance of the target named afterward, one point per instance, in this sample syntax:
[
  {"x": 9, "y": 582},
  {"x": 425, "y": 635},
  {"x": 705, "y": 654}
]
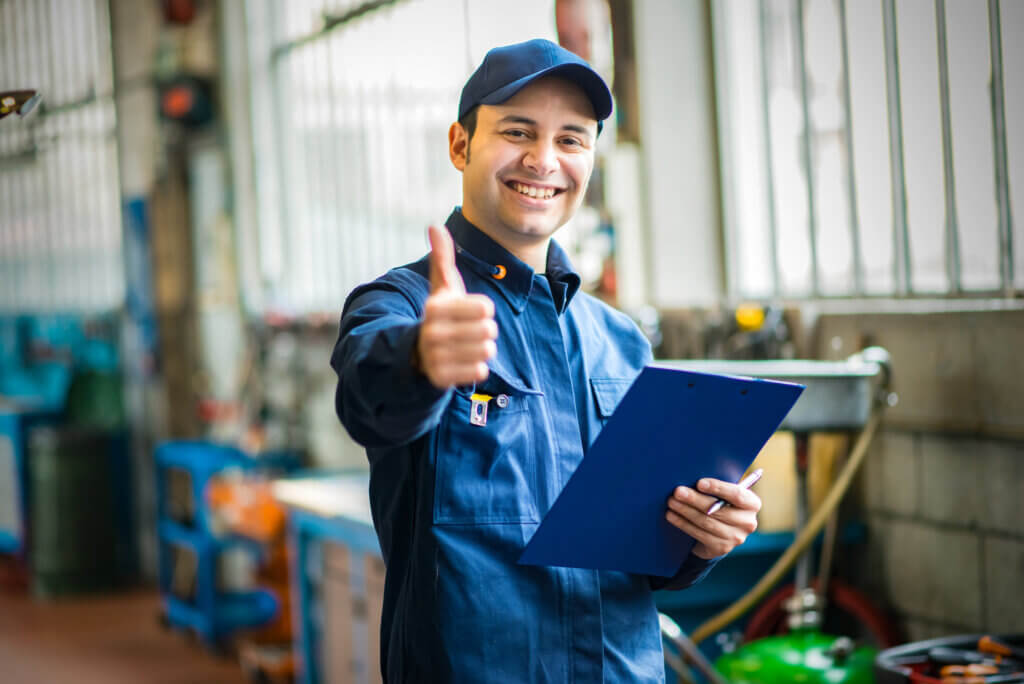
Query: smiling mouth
[{"x": 533, "y": 191}]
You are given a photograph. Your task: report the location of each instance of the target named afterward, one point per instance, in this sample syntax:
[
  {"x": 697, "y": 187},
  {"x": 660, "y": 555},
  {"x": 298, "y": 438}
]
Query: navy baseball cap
[{"x": 508, "y": 69}]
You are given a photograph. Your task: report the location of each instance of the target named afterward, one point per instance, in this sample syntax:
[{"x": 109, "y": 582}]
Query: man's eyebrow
[
  {"x": 576, "y": 128},
  {"x": 513, "y": 118}
]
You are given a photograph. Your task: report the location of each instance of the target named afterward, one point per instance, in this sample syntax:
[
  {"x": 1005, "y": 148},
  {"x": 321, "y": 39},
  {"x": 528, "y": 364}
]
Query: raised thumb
[{"x": 444, "y": 276}]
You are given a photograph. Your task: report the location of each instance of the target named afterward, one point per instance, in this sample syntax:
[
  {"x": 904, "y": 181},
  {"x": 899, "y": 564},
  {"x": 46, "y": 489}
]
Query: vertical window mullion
[
  {"x": 22, "y": 141},
  {"x": 322, "y": 253},
  {"x": 339, "y": 254},
  {"x": 43, "y": 165},
  {"x": 807, "y": 143},
  {"x": 302, "y": 74},
  {"x": 280, "y": 87},
  {"x": 999, "y": 144},
  {"x": 371, "y": 231},
  {"x": 851, "y": 177},
  {"x": 901, "y": 244},
  {"x": 766, "y": 118},
  {"x": 8, "y": 145},
  {"x": 952, "y": 235}
]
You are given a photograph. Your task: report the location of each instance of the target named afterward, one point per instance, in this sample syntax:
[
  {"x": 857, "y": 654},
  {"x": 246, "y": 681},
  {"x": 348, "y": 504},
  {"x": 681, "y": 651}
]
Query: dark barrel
[{"x": 75, "y": 540}]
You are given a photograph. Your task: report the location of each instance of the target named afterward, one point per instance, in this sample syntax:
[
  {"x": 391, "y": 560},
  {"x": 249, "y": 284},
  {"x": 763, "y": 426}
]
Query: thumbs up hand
[{"x": 457, "y": 332}]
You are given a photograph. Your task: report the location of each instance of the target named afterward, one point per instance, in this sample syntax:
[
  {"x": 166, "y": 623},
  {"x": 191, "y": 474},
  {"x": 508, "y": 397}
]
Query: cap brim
[{"x": 587, "y": 79}]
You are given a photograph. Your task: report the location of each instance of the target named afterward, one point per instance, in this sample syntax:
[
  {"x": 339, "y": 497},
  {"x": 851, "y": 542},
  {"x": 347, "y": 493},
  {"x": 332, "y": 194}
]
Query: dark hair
[{"x": 468, "y": 122}]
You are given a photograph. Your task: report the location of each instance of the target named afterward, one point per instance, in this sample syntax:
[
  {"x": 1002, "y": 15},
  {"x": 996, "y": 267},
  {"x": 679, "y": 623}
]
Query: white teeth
[{"x": 531, "y": 191}]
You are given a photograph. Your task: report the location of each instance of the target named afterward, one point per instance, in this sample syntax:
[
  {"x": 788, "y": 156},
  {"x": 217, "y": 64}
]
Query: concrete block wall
[{"x": 942, "y": 490}]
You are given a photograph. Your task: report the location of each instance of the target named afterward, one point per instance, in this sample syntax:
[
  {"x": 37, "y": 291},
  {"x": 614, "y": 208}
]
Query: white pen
[{"x": 745, "y": 483}]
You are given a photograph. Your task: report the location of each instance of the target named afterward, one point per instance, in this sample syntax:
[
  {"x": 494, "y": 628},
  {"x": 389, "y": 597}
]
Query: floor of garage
[{"x": 115, "y": 638}]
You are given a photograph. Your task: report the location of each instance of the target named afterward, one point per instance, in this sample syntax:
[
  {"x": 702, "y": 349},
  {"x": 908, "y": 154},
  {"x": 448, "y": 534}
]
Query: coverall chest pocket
[
  {"x": 486, "y": 469},
  {"x": 608, "y": 392}
]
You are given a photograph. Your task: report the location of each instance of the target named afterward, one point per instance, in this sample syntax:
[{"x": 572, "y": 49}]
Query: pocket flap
[
  {"x": 499, "y": 381},
  {"x": 608, "y": 392}
]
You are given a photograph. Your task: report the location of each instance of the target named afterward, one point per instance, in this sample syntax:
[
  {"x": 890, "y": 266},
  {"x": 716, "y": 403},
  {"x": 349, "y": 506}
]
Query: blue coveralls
[{"x": 455, "y": 503}]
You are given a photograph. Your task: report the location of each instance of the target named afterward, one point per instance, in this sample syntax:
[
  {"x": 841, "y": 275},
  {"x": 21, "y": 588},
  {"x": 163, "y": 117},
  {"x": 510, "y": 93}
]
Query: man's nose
[{"x": 541, "y": 158}]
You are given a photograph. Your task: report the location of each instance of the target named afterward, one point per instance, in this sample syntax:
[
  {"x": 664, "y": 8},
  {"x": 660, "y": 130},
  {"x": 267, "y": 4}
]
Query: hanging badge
[{"x": 478, "y": 409}]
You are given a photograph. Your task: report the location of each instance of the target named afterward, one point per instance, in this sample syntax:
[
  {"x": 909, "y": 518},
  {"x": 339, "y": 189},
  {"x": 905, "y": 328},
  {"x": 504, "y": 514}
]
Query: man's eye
[
  {"x": 571, "y": 142},
  {"x": 516, "y": 133}
]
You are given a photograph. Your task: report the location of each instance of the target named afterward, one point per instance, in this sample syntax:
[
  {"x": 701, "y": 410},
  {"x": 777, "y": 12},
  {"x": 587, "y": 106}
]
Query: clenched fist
[{"x": 458, "y": 330}]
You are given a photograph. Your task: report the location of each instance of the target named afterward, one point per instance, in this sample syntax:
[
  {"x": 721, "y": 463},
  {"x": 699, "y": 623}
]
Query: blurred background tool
[
  {"x": 19, "y": 102},
  {"x": 926, "y": 662},
  {"x": 988, "y": 644}
]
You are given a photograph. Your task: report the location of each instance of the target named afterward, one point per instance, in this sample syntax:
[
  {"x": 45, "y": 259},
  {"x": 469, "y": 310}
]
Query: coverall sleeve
[
  {"x": 693, "y": 570},
  {"x": 381, "y": 399}
]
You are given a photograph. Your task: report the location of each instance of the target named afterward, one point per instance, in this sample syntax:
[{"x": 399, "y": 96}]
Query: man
[{"x": 477, "y": 377}]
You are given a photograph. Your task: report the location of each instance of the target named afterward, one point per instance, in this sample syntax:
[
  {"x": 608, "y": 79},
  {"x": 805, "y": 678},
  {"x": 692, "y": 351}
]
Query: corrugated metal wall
[
  {"x": 60, "y": 221},
  {"x": 351, "y": 107},
  {"x": 872, "y": 148}
]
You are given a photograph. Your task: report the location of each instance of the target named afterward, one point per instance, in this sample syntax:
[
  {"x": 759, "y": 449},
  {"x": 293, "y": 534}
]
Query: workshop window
[
  {"x": 351, "y": 103},
  {"x": 60, "y": 214},
  {"x": 871, "y": 148}
]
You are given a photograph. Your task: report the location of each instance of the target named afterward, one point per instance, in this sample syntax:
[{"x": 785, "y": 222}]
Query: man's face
[{"x": 528, "y": 162}]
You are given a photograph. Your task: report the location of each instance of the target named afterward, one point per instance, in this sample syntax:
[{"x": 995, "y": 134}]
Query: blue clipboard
[{"x": 671, "y": 428}]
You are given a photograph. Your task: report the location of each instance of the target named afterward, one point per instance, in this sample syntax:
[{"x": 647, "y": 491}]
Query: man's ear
[{"x": 458, "y": 145}]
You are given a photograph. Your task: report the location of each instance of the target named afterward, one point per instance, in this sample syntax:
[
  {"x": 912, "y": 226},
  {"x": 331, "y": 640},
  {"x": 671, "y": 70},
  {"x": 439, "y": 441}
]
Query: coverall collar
[{"x": 505, "y": 271}]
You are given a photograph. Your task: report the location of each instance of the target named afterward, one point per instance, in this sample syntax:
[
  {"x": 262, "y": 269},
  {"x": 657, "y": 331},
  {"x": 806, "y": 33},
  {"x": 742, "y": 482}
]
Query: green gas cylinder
[{"x": 803, "y": 656}]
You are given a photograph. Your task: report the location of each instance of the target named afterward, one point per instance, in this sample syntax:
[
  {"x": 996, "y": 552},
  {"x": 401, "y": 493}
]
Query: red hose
[{"x": 770, "y": 617}]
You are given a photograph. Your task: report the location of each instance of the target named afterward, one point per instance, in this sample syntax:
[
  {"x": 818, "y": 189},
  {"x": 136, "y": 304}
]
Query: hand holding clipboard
[
  {"x": 720, "y": 534},
  {"x": 671, "y": 429}
]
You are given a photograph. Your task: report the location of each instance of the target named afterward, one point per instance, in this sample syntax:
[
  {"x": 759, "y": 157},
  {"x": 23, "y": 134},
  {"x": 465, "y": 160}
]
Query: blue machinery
[
  {"x": 337, "y": 577},
  {"x": 191, "y": 549},
  {"x": 38, "y": 358}
]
